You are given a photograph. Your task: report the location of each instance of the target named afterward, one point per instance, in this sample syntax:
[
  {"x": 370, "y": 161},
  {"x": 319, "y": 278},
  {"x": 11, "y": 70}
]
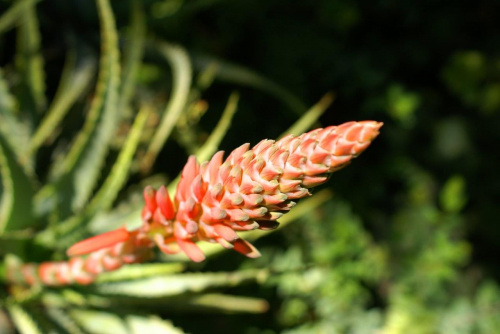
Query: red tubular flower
[{"x": 250, "y": 190}]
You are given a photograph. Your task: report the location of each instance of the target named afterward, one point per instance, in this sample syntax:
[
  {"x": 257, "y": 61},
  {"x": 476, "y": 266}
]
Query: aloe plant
[
  {"x": 251, "y": 190},
  {"x": 43, "y": 215}
]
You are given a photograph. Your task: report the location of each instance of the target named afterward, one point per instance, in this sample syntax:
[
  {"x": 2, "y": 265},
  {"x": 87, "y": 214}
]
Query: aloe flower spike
[
  {"x": 251, "y": 189},
  {"x": 214, "y": 200}
]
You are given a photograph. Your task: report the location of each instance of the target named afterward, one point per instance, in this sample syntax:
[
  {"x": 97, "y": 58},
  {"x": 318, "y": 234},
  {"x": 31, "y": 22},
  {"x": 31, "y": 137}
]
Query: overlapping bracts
[
  {"x": 251, "y": 189},
  {"x": 214, "y": 200}
]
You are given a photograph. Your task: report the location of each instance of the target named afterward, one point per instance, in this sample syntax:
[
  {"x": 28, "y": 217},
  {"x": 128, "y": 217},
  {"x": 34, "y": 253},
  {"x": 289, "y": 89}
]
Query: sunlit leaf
[
  {"x": 216, "y": 302},
  {"x": 453, "y": 195},
  {"x": 151, "y": 325},
  {"x": 402, "y": 104},
  {"x": 23, "y": 321},
  {"x": 62, "y": 318},
  {"x": 98, "y": 322},
  {"x": 140, "y": 271},
  {"x": 177, "y": 284}
]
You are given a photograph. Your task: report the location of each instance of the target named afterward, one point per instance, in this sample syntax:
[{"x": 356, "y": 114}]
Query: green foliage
[
  {"x": 402, "y": 105},
  {"x": 103, "y": 323},
  {"x": 17, "y": 192},
  {"x": 408, "y": 244},
  {"x": 45, "y": 212},
  {"x": 474, "y": 79},
  {"x": 325, "y": 281}
]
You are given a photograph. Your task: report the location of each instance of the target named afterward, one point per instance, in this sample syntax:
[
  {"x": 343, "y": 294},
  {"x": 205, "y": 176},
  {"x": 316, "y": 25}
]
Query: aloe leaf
[
  {"x": 15, "y": 131},
  {"x": 11, "y": 16},
  {"x": 65, "y": 297},
  {"x": 64, "y": 321},
  {"x": 17, "y": 195},
  {"x": 120, "y": 170},
  {"x": 226, "y": 71},
  {"x": 140, "y": 271},
  {"x": 30, "y": 62},
  {"x": 15, "y": 243},
  {"x": 218, "y": 302},
  {"x": 212, "y": 143},
  {"x": 189, "y": 302},
  {"x": 126, "y": 213},
  {"x": 100, "y": 322},
  {"x": 23, "y": 320},
  {"x": 76, "y": 225},
  {"x": 173, "y": 285},
  {"x": 7, "y": 100},
  {"x": 306, "y": 121},
  {"x": 187, "y": 133},
  {"x": 80, "y": 170},
  {"x": 134, "y": 50},
  {"x": 181, "y": 83},
  {"x": 151, "y": 324},
  {"x": 77, "y": 74}
]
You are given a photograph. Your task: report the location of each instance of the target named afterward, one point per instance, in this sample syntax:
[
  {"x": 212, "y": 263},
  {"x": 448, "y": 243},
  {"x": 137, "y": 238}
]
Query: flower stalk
[{"x": 251, "y": 189}]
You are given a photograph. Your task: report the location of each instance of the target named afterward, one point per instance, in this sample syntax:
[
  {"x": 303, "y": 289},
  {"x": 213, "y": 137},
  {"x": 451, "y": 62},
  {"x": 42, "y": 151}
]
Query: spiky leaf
[{"x": 80, "y": 170}]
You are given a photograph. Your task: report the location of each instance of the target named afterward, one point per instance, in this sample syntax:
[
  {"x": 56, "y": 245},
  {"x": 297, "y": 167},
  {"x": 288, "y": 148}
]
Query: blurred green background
[{"x": 409, "y": 243}]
